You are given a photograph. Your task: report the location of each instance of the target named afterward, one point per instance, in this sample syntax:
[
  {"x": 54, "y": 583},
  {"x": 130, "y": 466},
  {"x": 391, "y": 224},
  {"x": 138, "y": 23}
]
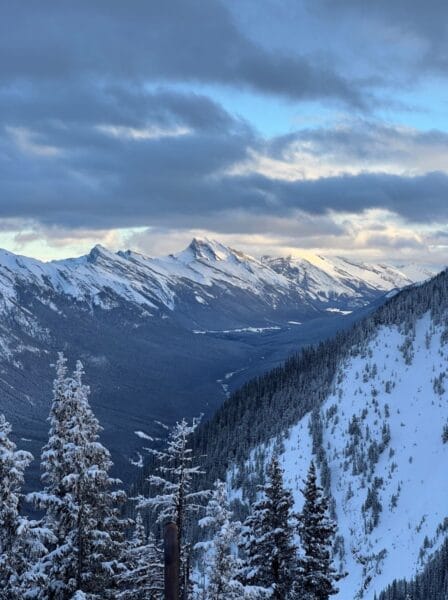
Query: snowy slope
[
  {"x": 382, "y": 431},
  {"x": 323, "y": 278}
]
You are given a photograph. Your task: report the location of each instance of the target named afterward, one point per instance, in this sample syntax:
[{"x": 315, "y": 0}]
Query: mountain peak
[
  {"x": 205, "y": 248},
  {"x": 204, "y": 242},
  {"x": 100, "y": 252}
]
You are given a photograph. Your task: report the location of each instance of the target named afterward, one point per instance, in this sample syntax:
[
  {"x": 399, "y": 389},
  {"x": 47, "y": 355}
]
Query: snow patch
[{"x": 143, "y": 436}]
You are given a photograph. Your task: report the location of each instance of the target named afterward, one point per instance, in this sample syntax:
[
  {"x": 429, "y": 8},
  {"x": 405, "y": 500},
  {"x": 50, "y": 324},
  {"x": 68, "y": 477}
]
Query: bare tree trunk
[{"x": 171, "y": 553}]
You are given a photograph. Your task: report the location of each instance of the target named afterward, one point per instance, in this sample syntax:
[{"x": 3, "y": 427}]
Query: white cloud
[
  {"x": 26, "y": 141},
  {"x": 152, "y": 132}
]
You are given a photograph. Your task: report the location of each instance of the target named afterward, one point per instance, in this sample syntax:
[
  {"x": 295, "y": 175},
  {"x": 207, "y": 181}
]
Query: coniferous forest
[
  {"x": 82, "y": 544},
  {"x": 289, "y": 392},
  {"x": 430, "y": 584}
]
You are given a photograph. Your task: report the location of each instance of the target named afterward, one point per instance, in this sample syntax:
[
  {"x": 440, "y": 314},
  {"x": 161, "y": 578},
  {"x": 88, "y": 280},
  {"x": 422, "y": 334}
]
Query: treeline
[
  {"x": 431, "y": 584},
  {"x": 83, "y": 547}
]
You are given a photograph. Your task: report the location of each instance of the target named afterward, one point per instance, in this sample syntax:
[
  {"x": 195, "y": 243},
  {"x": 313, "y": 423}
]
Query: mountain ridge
[{"x": 151, "y": 282}]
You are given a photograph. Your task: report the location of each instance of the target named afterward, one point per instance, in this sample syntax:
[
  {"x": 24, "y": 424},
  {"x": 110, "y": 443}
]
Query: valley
[{"x": 159, "y": 336}]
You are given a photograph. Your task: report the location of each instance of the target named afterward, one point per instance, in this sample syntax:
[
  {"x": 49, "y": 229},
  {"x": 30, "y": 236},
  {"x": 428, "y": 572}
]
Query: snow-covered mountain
[
  {"x": 203, "y": 271},
  {"x": 330, "y": 279},
  {"x": 370, "y": 407},
  {"x": 208, "y": 288},
  {"x": 161, "y": 337}
]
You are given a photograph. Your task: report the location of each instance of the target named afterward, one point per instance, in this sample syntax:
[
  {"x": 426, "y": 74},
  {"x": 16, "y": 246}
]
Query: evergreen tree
[
  {"x": 15, "y": 530},
  {"x": 271, "y": 555},
  {"x": 221, "y": 565},
  {"x": 142, "y": 578},
  {"x": 430, "y": 583},
  {"x": 80, "y": 503},
  {"x": 317, "y": 576},
  {"x": 176, "y": 501}
]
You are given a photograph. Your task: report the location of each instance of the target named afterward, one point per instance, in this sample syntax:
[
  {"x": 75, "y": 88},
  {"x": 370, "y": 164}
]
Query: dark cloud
[
  {"x": 77, "y": 173},
  {"x": 425, "y": 18},
  {"x": 423, "y": 25},
  {"x": 420, "y": 199},
  {"x": 150, "y": 41},
  {"x": 92, "y": 179},
  {"x": 88, "y": 104},
  {"x": 84, "y": 159}
]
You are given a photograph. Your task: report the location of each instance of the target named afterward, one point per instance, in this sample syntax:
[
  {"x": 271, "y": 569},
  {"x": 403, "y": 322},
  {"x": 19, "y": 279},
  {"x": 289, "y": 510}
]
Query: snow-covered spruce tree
[
  {"x": 15, "y": 534},
  {"x": 79, "y": 498},
  {"x": 220, "y": 564},
  {"x": 142, "y": 578},
  {"x": 317, "y": 575},
  {"x": 175, "y": 500},
  {"x": 271, "y": 555}
]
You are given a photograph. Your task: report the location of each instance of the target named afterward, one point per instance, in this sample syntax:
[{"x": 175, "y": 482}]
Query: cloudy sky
[{"x": 278, "y": 126}]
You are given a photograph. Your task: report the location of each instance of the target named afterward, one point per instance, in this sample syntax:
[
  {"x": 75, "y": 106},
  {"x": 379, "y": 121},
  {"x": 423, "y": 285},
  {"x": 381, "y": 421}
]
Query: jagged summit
[
  {"x": 212, "y": 250},
  {"x": 205, "y": 247},
  {"x": 200, "y": 248},
  {"x": 100, "y": 252}
]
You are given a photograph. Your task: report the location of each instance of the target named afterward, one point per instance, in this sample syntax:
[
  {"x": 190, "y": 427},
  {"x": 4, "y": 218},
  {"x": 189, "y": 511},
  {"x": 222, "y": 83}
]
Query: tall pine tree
[
  {"x": 176, "y": 501},
  {"x": 271, "y": 555},
  {"x": 317, "y": 575},
  {"x": 16, "y": 535},
  {"x": 80, "y": 502},
  {"x": 221, "y": 565}
]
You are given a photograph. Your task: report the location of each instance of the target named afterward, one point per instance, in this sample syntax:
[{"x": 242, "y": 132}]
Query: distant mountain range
[
  {"x": 171, "y": 336},
  {"x": 202, "y": 274}
]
